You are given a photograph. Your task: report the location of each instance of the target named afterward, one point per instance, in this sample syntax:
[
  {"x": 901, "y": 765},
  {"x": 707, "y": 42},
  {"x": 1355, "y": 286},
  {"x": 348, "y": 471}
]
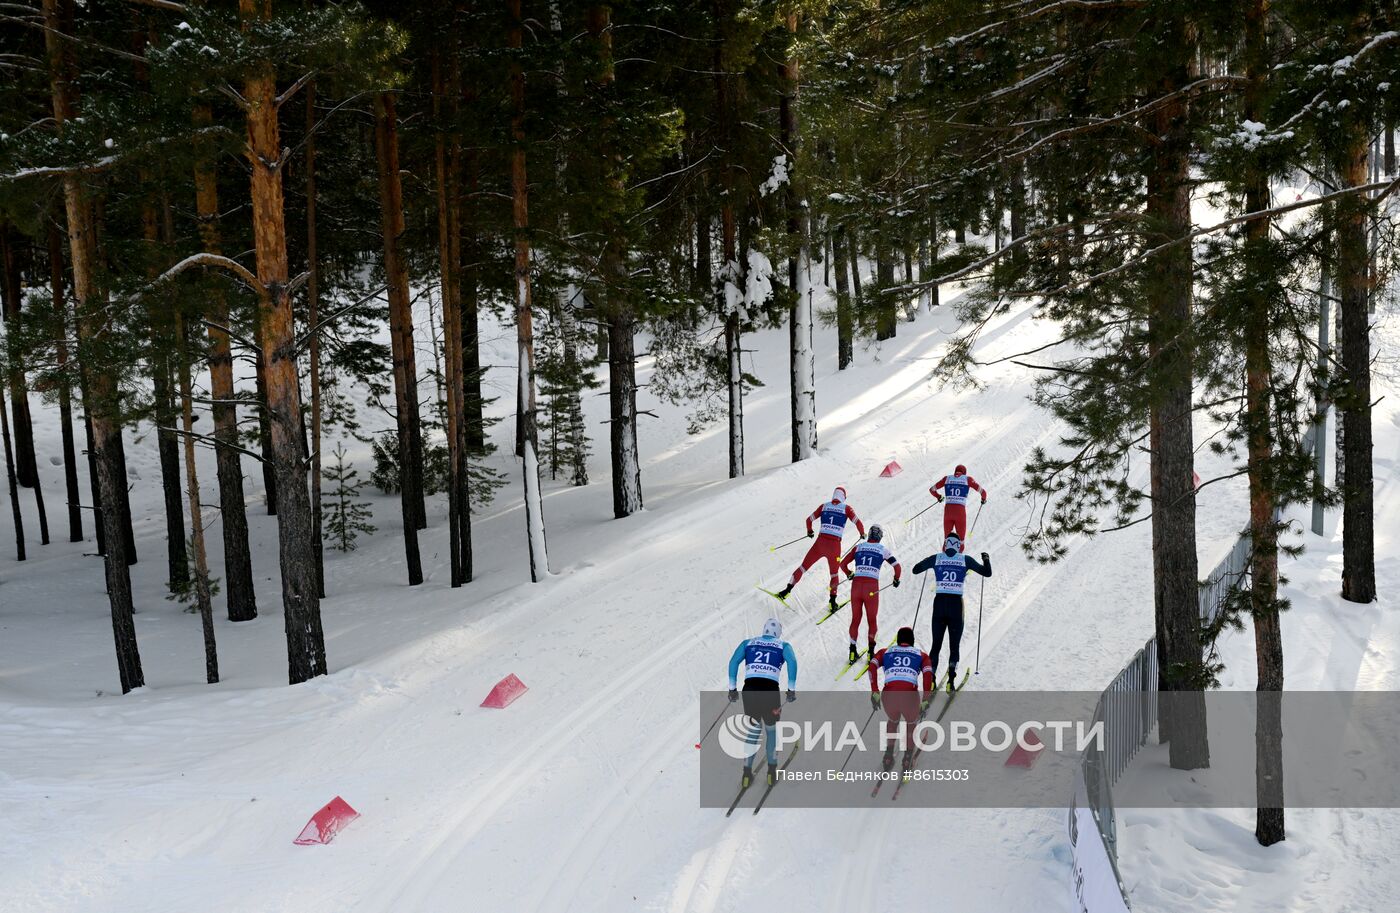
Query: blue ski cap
[
  {"x": 773, "y": 628},
  {"x": 951, "y": 546}
]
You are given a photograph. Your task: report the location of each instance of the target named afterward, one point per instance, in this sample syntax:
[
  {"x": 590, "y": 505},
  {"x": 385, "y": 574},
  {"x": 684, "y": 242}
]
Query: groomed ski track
[{"x": 583, "y": 795}]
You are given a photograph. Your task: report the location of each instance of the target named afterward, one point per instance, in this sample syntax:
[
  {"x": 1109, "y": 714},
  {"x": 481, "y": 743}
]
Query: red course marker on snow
[
  {"x": 326, "y": 823},
  {"x": 1023, "y": 757},
  {"x": 1195, "y": 479},
  {"x": 892, "y": 470},
  {"x": 506, "y": 691}
]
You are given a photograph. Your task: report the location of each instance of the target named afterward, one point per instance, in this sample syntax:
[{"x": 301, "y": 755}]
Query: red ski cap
[
  {"x": 839, "y": 495},
  {"x": 960, "y": 470}
]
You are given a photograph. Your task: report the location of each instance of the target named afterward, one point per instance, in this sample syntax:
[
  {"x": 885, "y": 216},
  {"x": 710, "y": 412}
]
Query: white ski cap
[
  {"x": 773, "y": 628},
  {"x": 839, "y": 495}
]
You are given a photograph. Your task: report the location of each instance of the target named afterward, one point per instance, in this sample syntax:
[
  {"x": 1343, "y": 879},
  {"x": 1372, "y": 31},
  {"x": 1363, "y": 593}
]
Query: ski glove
[
  {"x": 791, "y": 696},
  {"x": 874, "y": 700},
  {"x": 987, "y": 563},
  {"x": 733, "y": 695},
  {"x": 984, "y": 497},
  {"x": 896, "y": 581},
  {"x": 811, "y": 535},
  {"x": 923, "y": 704},
  {"x": 938, "y": 497}
]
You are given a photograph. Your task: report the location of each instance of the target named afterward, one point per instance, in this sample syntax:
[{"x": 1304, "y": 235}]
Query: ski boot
[
  {"x": 772, "y": 774},
  {"x": 747, "y": 779},
  {"x": 888, "y": 760},
  {"x": 851, "y": 656},
  {"x": 870, "y": 652},
  {"x": 832, "y": 602},
  {"x": 907, "y": 764},
  {"x": 952, "y": 675}
]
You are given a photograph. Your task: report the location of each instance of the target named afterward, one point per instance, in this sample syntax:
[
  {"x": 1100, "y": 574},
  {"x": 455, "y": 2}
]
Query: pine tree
[{"x": 345, "y": 519}]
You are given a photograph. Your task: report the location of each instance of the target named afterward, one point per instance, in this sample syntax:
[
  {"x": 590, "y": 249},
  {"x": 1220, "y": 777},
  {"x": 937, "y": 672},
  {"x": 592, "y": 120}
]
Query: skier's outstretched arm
[
  {"x": 790, "y": 662},
  {"x": 972, "y": 483},
  {"x": 734, "y": 662},
  {"x": 984, "y": 567},
  {"x": 933, "y": 489},
  {"x": 925, "y": 564},
  {"x": 846, "y": 563},
  {"x": 897, "y": 569},
  {"x": 814, "y": 515}
]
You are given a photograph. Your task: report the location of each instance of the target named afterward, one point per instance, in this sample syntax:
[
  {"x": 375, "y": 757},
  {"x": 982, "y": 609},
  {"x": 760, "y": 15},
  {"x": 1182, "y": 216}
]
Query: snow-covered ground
[
  {"x": 582, "y": 795},
  {"x": 1332, "y": 859}
]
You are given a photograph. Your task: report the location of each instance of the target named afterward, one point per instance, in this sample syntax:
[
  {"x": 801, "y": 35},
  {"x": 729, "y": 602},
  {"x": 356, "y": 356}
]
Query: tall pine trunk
[
  {"x": 306, "y": 646},
  {"x": 1353, "y": 305},
  {"x": 447, "y": 171},
  {"x": 400, "y": 330},
  {"x": 202, "y": 597},
  {"x": 233, "y": 508},
  {"x": 101, "y": 395},
  {"x": 528, "y": 437},
  {"x": 618, "y": 311},
  {"x": 313, "y": 348},
  {"x": 1168, "y": 301},
  {"x": 845, "y": 344},
  {"x": 802, "y": 400},
  {"x": 12, "y": 292},
  {"x": 1263, "y": 496},
  {"x": 163, "y": 396},
  {"x": 58, "y": 291},
  {"x": 12, "y": 483}
]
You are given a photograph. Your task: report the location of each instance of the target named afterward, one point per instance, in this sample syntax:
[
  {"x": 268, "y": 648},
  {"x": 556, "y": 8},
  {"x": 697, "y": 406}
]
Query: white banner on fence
[{"x": 1095, "y": 880}]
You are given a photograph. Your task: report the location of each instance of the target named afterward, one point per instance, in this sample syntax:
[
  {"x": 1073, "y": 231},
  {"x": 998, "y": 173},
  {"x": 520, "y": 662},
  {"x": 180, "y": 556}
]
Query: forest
[{"x": 218, "y": 219}]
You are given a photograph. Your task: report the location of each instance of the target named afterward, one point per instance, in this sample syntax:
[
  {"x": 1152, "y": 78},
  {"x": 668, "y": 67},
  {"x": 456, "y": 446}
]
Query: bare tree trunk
[
  {"x": 1352, "y": 284},
  {"x": 1176, "y": 596},
  {"x": 473, "y": 402},
  {"x": 313, "y": 349},
  {"x": 58, "y": 292},
  {"x": 167, "y": 448},
  {"x": 1263, "y": 497},
  {"x": 306, "y": 645},
  {"x": 802, "y": 400},
  {"x": 845, "y": 346},
  {"x": 13, "y": 484},
  {"x": 233, "y": 509},
  {"x": 269, "y": 461},
  {"x": 528, "y": 436},
  {"x": 202, "y": 598},
  {"x": 886, "y": 320},
  {"x": 400, "y": 330},
  {"x": 103, "y": 404},
  {"x": 11, "y": 290},
  {"x": 447, "y": 168}
]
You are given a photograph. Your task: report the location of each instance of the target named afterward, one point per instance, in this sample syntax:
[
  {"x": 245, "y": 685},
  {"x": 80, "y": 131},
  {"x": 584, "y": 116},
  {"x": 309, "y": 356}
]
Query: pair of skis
[
  {"x": 769, "y": 789},
  {"x": 914, "y": 761}
]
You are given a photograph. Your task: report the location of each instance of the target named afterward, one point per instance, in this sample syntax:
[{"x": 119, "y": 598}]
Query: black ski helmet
[
  {"x": 905, "y": 637},
  {"x": 875, "y": 534},
  {"x": 952, "y": 545}
]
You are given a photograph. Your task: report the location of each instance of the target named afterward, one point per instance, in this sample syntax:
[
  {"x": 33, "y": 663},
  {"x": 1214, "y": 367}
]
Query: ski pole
[
  {"x": 774, "y": 548},
  {"x": 853, "y": 747},
  {"x": 977, "y": 663},
  {"x": 980, "y": 505},
  {"x": 920, "y": 604},
  {"x": 921, "y": 513},
  {"x": 712, "y": 726}
]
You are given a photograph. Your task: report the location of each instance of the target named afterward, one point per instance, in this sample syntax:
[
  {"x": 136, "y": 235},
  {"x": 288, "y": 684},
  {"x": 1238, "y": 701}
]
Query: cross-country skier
[
  {"x": 958, "y": 487},
  {"x": 868, "y": 556},
  {"x": 764, "y": 658},
  {"x": 904, "y": 665},
  {"x": 950, "y": 567},
  {"x": 833, "y": 516}
]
